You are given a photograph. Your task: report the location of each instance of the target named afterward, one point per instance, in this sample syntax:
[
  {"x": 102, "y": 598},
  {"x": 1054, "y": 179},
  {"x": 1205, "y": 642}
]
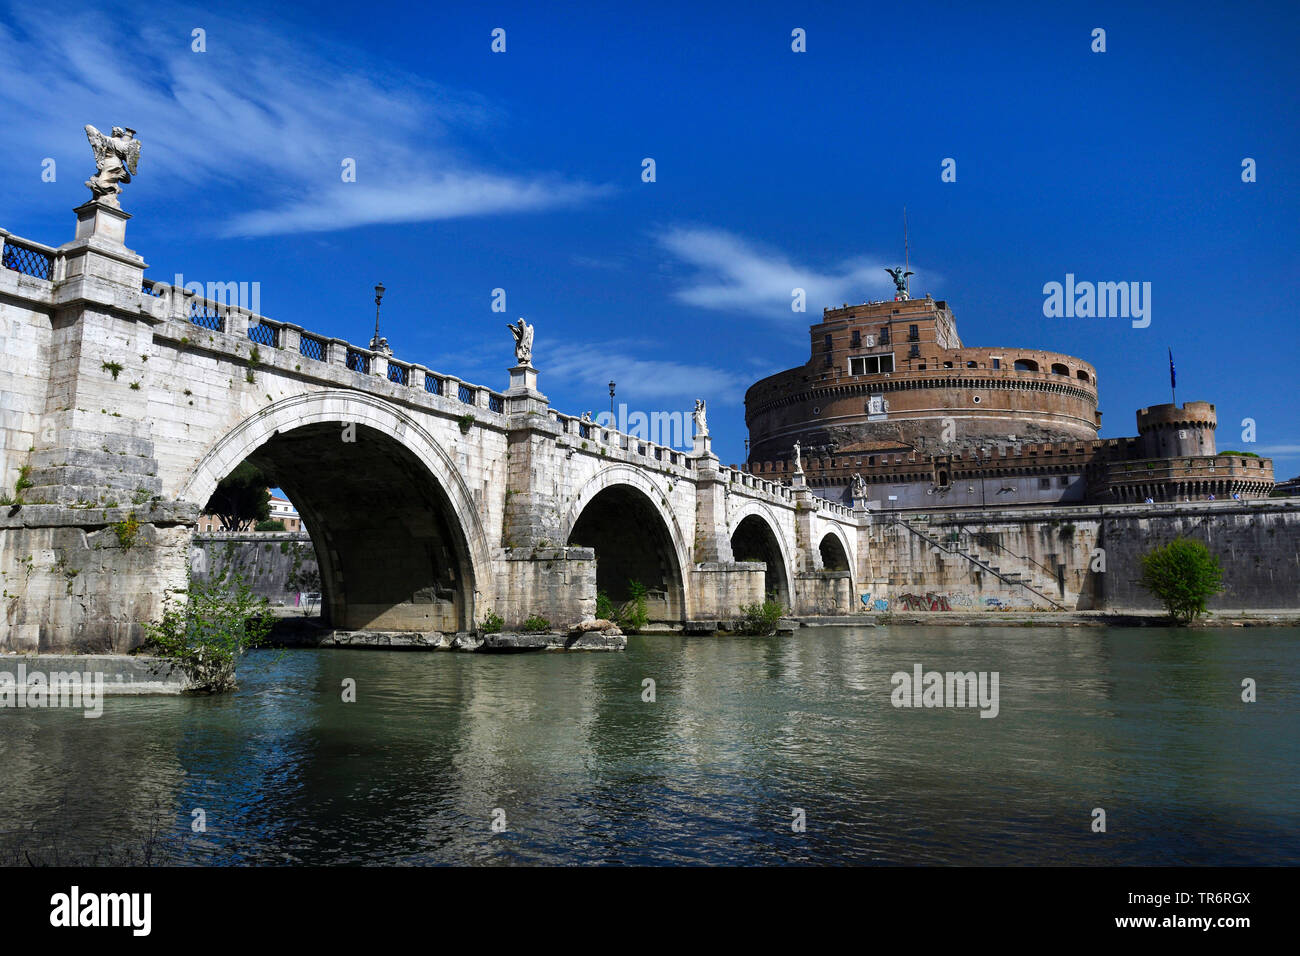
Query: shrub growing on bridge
[
  {"x": 1182, "y": 574},
  {"x": 760, "y": 619},
  {"x": 537, "y": 624},
  {"x": 633, "y": 614},
  {"x": 207, "y": 630}
]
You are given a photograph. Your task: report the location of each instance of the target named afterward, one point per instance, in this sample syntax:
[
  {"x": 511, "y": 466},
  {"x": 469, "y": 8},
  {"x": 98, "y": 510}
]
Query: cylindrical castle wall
[
  {"x": 1053, "y": 397},
  {"x": 1172, "y": 431}
]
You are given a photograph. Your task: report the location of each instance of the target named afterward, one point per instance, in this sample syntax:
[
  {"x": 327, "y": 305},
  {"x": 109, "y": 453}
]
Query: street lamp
[
  {"x": 611, "y": 403},
  {"x": 377, "y": 342}
]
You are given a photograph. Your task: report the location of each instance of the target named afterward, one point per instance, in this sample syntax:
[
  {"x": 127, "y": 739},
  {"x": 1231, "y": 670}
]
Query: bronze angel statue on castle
[{"x": 116, "y": 158}]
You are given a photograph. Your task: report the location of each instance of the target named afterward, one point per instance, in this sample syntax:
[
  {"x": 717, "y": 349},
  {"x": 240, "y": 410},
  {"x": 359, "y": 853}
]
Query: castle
[{"x": 893, "y": 411}]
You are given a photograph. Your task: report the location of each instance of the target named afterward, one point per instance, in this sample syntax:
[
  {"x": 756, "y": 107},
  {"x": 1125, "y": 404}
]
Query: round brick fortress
[{"x": 895, "y": 375}]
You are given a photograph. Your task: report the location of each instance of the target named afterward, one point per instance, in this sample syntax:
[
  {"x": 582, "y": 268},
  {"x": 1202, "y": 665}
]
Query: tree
[
  {"x": 242, "y": 498},
  {"x": 1182, "y": 574},
  {"x": 275, "y": 524}
]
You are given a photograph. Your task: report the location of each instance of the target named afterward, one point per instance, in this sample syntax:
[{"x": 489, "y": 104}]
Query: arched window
[
  {"x": 1026, "y": 365},
  {"x": 1082, "y": 376},
  {"x": 1059, "y": 369}
]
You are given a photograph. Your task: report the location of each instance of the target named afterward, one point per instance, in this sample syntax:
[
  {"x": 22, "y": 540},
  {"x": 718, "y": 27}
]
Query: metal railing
[
  {"x": 496, "y": 403},
  {"x": 358, "y": 362},
  {"x": 432, "y": 384},
  {"x": 311, "y": 347},
  {"x": 27, "y": 259},
  {"x": 205, "y": 315},
  {"x": 264, "y": 335},
  {"x": 398, "y": 373},
  {"x": 465, "y": 393}
]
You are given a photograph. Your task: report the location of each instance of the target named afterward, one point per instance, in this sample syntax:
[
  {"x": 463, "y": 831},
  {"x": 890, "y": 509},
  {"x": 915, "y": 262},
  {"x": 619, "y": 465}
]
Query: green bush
[
  {"x": 605, "y": 608},
  {"x": 634, "y": 615},
  {"x": 491, "y": 623},
  {"x": 760, "y": 619},
  {"x": 272, "y": 524},
  {"x": 1182, "y": 574},
  {"x": 207, "y": 630},
  {"x": 537, "y": 624}
]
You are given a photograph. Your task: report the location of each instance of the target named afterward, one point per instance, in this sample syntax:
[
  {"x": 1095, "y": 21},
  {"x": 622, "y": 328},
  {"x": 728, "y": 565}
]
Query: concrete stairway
[{"x": 949, "y": 543}]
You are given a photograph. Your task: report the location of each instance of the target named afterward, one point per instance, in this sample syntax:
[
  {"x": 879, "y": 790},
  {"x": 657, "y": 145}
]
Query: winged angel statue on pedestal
[{"x": 116, "y": 158}]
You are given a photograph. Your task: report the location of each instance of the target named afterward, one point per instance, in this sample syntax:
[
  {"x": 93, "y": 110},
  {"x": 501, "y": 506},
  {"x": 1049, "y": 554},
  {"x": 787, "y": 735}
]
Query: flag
[{"x": 1171, "y": 369}]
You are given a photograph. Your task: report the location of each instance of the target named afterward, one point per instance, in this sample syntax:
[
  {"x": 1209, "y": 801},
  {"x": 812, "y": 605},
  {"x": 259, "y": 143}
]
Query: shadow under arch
[
  {"x": 399, "y": 542},
  {"x": 755, "y": 539},
  {"x": 835, "y": 556},
  {"x": 621, "y": 514}
]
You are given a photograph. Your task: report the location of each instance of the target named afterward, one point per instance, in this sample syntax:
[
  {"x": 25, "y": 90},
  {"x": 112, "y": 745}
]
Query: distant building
[
  {"x": 282, "y": 509},
  {"x": 892, "y": 396},
  {"x": 1287, "y": 489}
]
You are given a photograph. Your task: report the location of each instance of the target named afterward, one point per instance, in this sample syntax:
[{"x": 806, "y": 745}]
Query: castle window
[
  {"x": 947, "y": 365},
  {"x": 1059, "y": 369},
  {"x": 884, "y": 335},
  {"x": 1063, "y": 481},
  {"x": 829, "y": 344},
  {"x": 1081, "y": 375},
  {"x": 914, "y": 352},
  {"x": 871, "y": 364},
  {"x": 1044, "y": 482},
  {"x": 997, "y": 363},
  {"x": 1026, "y": 365},
  {"x": 857, "y": 340},
  {"x": 972, "y": 365},
  {"x": 913, "y": 333}
]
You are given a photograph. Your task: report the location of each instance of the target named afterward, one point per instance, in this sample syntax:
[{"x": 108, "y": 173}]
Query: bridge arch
[
  {"x": 756, "y": 538},
  {"x": 624, "y": 515},
  {"x": 835, "y": 552},
  {"x": 398, "y": 538}
]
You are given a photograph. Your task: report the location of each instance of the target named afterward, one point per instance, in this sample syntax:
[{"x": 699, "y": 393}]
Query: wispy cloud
[
  {"x": 1275, "y": 450},
  {"x": 734, "y": 273},
  {"x": 267, "y": 114},
  {"x": 645, "y": 382}
]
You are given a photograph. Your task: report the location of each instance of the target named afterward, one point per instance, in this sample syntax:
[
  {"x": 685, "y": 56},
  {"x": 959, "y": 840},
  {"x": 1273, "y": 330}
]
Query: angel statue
[
  {"x": 116, "y": 158},
  {"x": 900, "y": 283},
  {"x": 701, "y": 425},
  {"x": 798, "y": 460},
  {"x": 859, "y": 486},
  {"x": 523, "y": 333}
]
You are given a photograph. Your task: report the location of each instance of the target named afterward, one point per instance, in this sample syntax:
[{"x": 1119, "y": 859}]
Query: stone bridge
[{"x": 430, "y": 500}]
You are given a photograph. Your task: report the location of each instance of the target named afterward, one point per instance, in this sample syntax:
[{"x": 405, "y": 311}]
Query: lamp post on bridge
[
  {"x": 378, "y": 344},
  {"x": 611, "y": 404}
]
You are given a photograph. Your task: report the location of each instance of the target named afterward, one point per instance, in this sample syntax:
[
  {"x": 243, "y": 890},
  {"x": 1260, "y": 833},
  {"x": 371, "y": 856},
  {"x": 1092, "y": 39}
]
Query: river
[{"x": 745, "y": 738}]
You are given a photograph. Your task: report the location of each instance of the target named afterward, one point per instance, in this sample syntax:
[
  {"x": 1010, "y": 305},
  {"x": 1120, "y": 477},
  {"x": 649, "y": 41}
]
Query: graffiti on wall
[
  {"x": 931, "y": 602},
  {"x": 878, "y": 604}
]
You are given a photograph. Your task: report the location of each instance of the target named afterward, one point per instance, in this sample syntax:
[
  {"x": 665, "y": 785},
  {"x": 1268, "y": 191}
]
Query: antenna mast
[{"x": 906, "y": 261}]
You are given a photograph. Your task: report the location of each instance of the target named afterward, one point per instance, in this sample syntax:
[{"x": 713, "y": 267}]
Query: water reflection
[{"x": 1146, "y": 723}]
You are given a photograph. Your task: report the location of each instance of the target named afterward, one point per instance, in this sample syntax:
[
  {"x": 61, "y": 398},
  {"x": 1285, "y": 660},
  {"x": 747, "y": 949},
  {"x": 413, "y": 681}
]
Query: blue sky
[{"x": 522, "y": 170}]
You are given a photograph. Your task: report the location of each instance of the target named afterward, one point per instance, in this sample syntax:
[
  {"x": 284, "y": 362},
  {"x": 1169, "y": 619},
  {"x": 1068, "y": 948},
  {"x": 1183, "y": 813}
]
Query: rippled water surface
[{"x": 1145, "y": 723}]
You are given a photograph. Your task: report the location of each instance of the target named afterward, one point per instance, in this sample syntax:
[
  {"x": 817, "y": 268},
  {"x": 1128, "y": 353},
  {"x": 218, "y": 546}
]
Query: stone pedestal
[
  {"x": 523, "y": 377},
  {"x": 712, "y": 540},
  {"x": 102, "y": 220},
  {"x": 96, "y": 444}
]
